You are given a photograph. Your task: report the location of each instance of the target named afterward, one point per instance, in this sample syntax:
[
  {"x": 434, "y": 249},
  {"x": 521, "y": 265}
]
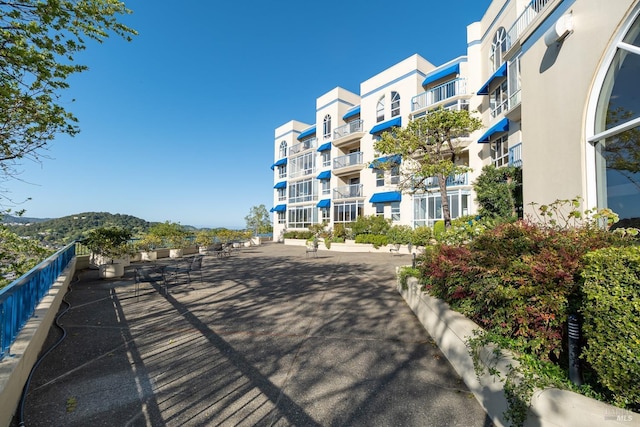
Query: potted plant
[
  {"x": 109, "y": 248},
  {"x": 147, "y": 246},
  {"x": 204, "y": 240},
  {"x": 173, "y": 235}
]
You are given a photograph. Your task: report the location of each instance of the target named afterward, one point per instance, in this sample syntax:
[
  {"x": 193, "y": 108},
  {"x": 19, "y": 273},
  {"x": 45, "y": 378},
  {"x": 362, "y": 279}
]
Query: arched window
[
  {"x": 616, "y": 128},
  {"x": 498, "y": 47},
  {"x": 395, "y": 104},
  {"x": 283, "y": 149},
  {"x": 326, "y": 126},
  {"x": 380, "y": 110}
]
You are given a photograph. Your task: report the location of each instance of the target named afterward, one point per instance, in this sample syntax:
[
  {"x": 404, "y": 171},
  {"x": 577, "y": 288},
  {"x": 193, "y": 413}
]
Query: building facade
[{"x": 555, "y": 84}]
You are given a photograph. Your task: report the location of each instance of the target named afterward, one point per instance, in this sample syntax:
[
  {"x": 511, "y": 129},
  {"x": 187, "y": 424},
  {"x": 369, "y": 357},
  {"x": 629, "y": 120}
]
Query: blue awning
[
  {"x": 325, "y": 147},
  {"x": 306, "y": 133},
  {"x": 279, "y": 208},
  {"x": 324, "y": 203},
  {"x": 281, "y": 184},
  {"x": 352, "y": 112},
  {"x": 501, "y": 126},
  {"x": 324, "y": 175},
  {"x": 279, "y": 163},
  {"x": 386, "y": 125},
  {"x": 500, "y": 72},
  {"x": 438, "y": 74},
  {"x": 396, "y": 158},
  {"x": 386, "y": 197}
]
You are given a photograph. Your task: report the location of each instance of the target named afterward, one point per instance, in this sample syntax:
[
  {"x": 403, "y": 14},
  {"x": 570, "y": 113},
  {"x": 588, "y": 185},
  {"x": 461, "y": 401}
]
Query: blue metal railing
[{"x": 19, "y": 299}]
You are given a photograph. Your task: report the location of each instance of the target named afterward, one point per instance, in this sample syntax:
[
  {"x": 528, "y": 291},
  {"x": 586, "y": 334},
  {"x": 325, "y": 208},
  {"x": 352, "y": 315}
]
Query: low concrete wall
[
  {"x": 549, "y": 408},
  {"x": 23, "y": 354}
]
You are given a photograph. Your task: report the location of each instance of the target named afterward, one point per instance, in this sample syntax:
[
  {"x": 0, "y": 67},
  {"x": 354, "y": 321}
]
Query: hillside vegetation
[{"x": 61, "y": 231}]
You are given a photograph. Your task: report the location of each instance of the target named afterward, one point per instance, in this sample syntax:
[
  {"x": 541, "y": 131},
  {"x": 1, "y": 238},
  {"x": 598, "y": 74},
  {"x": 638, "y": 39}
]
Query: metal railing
[
  {"x": 452, "y": 180},
  {"x": 515, "y": 155},
  {"x": 304, "y": 145},
  {"x": 345, "y": 130},
  {"x": 347, "y": 191},
  {"x": 19, "y": 299},
  {"x": 525, "y": 18},
  {"x": 348, "y": 160},
  {"x": 439, "y": 93}
]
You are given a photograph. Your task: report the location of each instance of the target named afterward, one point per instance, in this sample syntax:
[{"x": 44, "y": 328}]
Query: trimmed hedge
[
  {"x": 611, "y": 325},
  {"x": 376, "y": 240}
]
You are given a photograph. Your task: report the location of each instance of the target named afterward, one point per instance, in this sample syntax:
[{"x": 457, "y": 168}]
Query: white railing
[
  {"x": 452, "y": 181},
  {"x": 496, "y": 110},
  {"x": 514, "y": 99},
  {"x": 304, "y": 145},
  {"x": 515, "y": 155},
  {"x": 351, "y": 127},
  {"x": 445, "y": 91},
  {"x": 302, "y": 172},
  {"x": 347, "y": 191},
  {"x": 348, "y": 160},
  {"x": 525, "y": 18}
]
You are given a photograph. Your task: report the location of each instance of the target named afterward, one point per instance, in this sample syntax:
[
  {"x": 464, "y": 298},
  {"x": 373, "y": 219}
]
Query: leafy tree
[
  {"x": 258, "y": 220},
  {"x": 429, "y": 148},
  {"x": 38, "y": 41},
  {"x": 498, "y": 191},
  {"x": 18, "y": 255}
]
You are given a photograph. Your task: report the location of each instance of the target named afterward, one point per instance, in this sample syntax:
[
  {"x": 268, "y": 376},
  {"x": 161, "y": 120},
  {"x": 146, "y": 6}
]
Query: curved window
[
  {"x": 617, "y": 131},
  {"x": 283, "y": 149},
  {"x": 380, "y": 110},
  {"x": 498, "y": 47},
  {"x": 395, "y": 104},
  {"x": 326, "y": 126}
]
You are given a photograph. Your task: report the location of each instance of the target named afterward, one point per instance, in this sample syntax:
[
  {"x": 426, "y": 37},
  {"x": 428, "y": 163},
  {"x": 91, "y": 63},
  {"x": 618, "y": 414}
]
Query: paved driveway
[{"x": 269, "y": 338}]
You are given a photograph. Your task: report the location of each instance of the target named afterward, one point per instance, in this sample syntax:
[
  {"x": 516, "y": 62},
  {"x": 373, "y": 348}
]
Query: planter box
[
  {"x": 149, "y": 255},
  {"x": 551, "y": 407},
  {"x": 111, "y": 271},
  {"x": 176, "y": 253}
]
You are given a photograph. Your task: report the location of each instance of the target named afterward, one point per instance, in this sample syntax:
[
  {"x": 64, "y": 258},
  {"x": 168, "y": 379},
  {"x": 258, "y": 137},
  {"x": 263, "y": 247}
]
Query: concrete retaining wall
[
  {"x": 549, "y": 408},
  {"x": 23, "y": 354}
]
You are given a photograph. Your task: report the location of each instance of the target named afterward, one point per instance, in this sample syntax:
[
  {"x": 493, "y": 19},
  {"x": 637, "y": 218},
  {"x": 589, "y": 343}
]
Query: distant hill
[
  {"x": 10, "y": 219},
  {"x": 61, "y": 231}
]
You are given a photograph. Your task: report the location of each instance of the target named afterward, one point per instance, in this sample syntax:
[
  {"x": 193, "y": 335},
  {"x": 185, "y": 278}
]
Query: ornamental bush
[
  {"x": 376, "y": 240},
  {"x": 611, "y": 309}
]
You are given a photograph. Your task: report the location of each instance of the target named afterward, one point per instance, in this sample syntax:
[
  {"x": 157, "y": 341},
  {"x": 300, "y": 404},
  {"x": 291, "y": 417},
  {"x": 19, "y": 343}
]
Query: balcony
[
  {"x": 347, "y": 164},
  {"x": 347, "y": 192},
  {"x": 349, "y": 133},
  {"x": 307, "y": 144},
  {"x": 439, "y": 94},
  {"x": 452, "y": 181},
  {"x": 522, "y": 22},
  {"x": 515, "y": 155}
]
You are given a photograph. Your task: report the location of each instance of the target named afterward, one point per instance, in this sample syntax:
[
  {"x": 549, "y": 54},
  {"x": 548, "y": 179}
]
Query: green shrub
[
  {"x": 421, "y": 236},
  {"x": 499, "y": 191},
  {"x": 376, "y": 240},
  {"x": 611, "y": 309},
  {"x": 298, "y": 234},
  {"x": 400, "y": 234},
  {"x": 438, "y": 228},
  {"x": 371, "y": 224}
]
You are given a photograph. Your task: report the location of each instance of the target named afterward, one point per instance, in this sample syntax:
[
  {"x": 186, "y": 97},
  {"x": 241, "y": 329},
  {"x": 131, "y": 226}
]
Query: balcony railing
[
  {"x": 445, "y": 91},
  {"x": 347, "y": 191},
  {"x": 295, "y": 173},
  {"x": 351, "y": 127},
  {"x": 452, "y": 181},
  {"x": 515, "y": 155},
  {"x": 525, "y": 18},
  {"x": 352, "y": 159},
  {"x": 304, "y": 145},
  {"x": 19, "y": 299}
]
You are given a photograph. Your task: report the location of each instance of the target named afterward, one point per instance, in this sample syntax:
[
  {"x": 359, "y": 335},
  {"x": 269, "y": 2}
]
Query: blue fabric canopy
[
  {"x": 396, "y": 158},
  {"x": 281, "y": 184},
  {"x": 324, "y": 175},
  {"x": 352, "y": 112},
  {"x": 279, "y": 163},
  {"x": 325, "y": 203},
  {"x": 386, "y": 125},
  {"x": 279, "y": 208},
  {"x": 386, "y": 197},
  {"x": 306, "y": 133},
  {"x": 438, "y": 74},
  {"x": 325, "y": 147},
  {"x": 500, "y": 72},
  {"x": 501, "y": 126}
]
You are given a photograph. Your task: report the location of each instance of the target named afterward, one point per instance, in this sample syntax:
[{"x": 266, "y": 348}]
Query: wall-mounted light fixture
[{"x": 560, "y": 30}]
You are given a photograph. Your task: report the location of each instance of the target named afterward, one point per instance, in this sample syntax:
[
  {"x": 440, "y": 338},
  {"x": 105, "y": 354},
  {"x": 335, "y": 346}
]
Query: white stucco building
[{"x": 555, "y": 83}]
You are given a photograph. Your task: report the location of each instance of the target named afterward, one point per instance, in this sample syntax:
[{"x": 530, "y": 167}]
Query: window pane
[{"x": 619, "y": 174}]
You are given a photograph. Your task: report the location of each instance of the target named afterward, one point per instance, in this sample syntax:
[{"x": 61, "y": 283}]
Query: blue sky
[{"x": 178, "y": 125}]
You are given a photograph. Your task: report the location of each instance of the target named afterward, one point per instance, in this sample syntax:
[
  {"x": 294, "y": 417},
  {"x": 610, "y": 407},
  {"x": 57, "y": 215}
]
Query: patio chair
[{"x": 185, "y": 267}]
